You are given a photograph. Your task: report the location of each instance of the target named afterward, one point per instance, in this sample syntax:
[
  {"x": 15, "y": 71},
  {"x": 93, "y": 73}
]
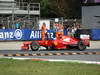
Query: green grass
[{"x": 28, "y": 67}]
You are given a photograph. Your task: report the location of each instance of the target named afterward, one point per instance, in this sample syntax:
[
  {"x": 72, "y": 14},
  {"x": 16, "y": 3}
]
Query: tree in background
[
  {"x": 45, "y": 9},
  {"x": 66, "y": 8},
  {"x": 59, "y": 8}
]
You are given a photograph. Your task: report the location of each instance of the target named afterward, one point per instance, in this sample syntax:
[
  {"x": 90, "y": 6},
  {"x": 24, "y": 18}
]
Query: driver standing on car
[{"x": 43, "y": 31}]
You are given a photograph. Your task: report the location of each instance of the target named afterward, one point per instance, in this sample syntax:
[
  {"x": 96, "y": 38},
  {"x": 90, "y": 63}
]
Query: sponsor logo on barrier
[
  {"x": 10, "y": 35},
  {"x": 18, "y": 34},
  {"x": 6, "y": 35},
  {"x": 50, "y": 35},
  {"x": 35, "y": 34}
]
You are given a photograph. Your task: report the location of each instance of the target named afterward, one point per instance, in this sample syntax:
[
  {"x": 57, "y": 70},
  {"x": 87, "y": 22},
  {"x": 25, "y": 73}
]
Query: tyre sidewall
[
  {"x": 34, "y": 46},
  {"x": 81, "y": 46}
]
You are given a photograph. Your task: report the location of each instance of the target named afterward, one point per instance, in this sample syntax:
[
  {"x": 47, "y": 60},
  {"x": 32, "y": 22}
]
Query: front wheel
[
  {"x": 81, "y": 46},
  {"x": 35, "y": 46}
]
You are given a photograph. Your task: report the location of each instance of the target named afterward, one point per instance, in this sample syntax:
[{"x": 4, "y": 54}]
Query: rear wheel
[
  {"x": 47, "y": 48},
  {"x": 35, "y": 46},
  {"x": 81, "y": 46}
]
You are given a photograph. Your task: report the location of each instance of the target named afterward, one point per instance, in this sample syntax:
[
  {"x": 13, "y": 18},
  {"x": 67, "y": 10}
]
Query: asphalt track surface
[{"x": 73, "y": 54}]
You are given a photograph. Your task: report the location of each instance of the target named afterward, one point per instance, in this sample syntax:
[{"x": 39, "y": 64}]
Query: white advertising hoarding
[{"x": 47, "y": 22}]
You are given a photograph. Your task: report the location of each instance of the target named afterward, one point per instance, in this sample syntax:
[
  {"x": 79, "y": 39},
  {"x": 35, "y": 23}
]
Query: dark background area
[{"x": 59, "y": 8}]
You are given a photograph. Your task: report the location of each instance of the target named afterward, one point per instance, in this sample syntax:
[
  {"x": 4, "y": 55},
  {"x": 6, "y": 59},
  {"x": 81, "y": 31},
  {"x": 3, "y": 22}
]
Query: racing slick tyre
[
  {"x": 81, "y": 46},
  {"x": 35, "y": 46},
  {"x": 47, "y": 48}
]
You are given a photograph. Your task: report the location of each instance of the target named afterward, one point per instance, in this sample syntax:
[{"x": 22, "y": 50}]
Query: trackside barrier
[
  {"x": 83, "y": 33},
  {"x": 24, "y": 34},
  {"x": 27, "y": 34},
  {"x": 65, "y": 32},
  {"x": 95, "y": 34}
]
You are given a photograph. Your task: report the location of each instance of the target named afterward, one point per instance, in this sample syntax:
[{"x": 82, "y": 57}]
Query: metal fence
[{"x": 26, "y": 14}]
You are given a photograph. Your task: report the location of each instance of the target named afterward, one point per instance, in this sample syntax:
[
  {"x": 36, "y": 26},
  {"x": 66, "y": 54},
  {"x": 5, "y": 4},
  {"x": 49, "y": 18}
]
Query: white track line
[{"x": 54, "y": 60}]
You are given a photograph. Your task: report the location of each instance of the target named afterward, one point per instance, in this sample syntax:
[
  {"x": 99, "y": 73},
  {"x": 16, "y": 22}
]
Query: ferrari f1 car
[{"x": 65, "y": 42}]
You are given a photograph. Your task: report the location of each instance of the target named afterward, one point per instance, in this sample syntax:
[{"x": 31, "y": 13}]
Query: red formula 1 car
[{"x": 65, "y": 42}]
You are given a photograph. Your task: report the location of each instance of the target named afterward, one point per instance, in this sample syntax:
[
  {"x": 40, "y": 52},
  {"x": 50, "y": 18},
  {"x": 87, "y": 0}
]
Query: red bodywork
[{"x": 62, "y": 43}]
